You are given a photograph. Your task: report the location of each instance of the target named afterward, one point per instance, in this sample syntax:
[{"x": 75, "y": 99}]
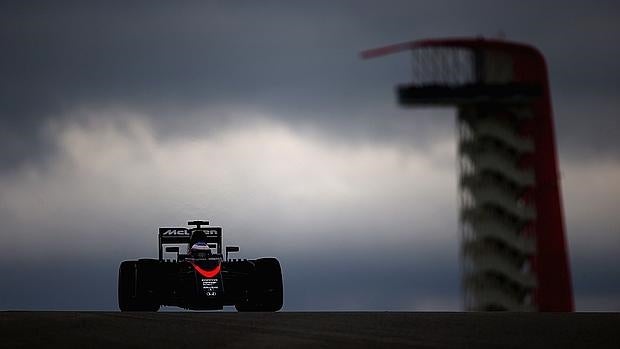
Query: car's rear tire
[
  {"x": 265, "y": 293},
  {"x": 131, "y": 291}
]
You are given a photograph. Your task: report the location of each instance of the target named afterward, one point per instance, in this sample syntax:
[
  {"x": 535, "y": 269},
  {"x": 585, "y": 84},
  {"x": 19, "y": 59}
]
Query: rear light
[{"x": 207, "y": 273}]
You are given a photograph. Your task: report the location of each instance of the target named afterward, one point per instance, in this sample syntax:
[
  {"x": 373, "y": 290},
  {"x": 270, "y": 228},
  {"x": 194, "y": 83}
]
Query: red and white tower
[{"x": 513, "y": 246}]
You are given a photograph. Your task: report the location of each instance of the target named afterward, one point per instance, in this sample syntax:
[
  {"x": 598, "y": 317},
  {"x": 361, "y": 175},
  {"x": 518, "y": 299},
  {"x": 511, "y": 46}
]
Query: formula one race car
[{"x": 191, "y": 273}]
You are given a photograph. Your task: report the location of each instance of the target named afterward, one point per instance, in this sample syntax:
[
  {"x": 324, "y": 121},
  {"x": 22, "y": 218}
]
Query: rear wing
[{"x": 177, "y": 240}]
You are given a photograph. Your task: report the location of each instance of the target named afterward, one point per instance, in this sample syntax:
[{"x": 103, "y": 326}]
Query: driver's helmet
[{"x": 200, "y": 250}]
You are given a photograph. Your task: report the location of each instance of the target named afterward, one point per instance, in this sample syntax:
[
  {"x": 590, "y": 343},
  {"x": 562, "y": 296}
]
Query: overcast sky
[{"x": 119, "y": 117}]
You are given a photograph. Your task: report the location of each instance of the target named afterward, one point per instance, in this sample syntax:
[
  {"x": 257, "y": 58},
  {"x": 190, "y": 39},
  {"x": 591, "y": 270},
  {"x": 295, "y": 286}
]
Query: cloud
[
  {"x": 263, "y": 175},
  {"x": 591, "y": 197},
  {"x": 346, "y": 212},
  {"x": 297, "y": 62},
  {"x": 316, "y": 205}
]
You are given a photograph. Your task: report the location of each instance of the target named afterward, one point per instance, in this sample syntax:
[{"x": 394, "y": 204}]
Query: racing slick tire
[
  {"x": 265, "y": 292},
  {"x": 132, "y": 276}
]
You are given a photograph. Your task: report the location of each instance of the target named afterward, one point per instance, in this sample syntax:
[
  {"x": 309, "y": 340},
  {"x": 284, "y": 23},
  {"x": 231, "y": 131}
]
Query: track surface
[{"x": 311, "y": 330}]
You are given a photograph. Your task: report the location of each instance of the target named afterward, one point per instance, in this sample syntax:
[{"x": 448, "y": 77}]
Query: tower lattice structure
[{"x": 513, "y": 245}]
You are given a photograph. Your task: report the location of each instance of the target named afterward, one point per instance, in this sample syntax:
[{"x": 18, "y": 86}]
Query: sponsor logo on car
[{"x": 176, "y": 232}]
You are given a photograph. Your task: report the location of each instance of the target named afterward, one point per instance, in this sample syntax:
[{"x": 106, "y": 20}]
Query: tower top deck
[{"x": 455, "y": 71}]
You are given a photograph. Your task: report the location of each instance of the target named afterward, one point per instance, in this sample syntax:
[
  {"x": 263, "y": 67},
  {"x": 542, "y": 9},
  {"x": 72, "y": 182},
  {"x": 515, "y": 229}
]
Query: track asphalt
[{"x": 308, "y": 330}]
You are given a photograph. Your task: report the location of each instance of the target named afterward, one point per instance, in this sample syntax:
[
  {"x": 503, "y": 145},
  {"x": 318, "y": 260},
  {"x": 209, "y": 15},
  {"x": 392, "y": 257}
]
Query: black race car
[{"x": 192, "y": 273}]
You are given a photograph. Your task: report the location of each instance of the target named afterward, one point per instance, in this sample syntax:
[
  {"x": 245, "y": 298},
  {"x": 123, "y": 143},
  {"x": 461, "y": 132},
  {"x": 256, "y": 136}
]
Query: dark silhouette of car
[{"x": 192, "y": 273}]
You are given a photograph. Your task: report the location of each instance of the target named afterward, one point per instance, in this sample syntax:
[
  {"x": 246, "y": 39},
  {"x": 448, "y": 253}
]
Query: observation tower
[{"x": 513, "y": 243}]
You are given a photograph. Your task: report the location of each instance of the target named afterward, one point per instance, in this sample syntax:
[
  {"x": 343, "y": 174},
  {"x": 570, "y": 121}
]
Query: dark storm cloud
[{"x": 296, "y": 61}]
